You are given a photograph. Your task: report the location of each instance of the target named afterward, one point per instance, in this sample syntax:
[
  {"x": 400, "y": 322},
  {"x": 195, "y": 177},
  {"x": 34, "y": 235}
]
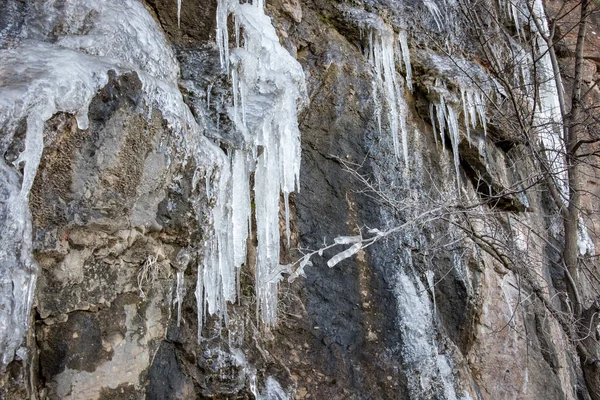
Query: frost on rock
[
  {"x": 268, "y": 85},
  {"x": 272, "y": 389},
  {"x": 42, "y": 75}
]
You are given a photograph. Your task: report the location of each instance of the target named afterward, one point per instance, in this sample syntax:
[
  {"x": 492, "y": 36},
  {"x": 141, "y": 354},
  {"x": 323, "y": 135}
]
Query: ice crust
[
  {"x": 419, "y": 348},
  {"x": 41, "y": 75}
]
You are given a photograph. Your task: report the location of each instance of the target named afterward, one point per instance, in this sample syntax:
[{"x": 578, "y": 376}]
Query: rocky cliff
[{"x": 161, "y": 238}]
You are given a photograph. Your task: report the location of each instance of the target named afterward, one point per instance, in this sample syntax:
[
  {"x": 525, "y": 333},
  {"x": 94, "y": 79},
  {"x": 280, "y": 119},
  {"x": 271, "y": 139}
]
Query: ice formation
[
  {"x": 268, "y": 86},
  {"x": 403, "y": 39},
  {"x": 435, "y": 12},
  {"x": 385, "y": 49},
  {"x": 179, "y": 13},
  {"x": 445, "y": 112},
  {"x": 388, "y": 92},
  {"x": 54, "y": 84},
  {"x": 42, "y": 75}
]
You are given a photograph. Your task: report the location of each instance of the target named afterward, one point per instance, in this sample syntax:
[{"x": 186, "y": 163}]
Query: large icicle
[
  {"x": 387, "y": 88},
  {"x": 402, "y": 37},
  {"x": 267, "y": 84}
]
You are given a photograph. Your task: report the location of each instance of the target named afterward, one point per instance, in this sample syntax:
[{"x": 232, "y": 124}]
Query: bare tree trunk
[{"x": 573, "y": 133}]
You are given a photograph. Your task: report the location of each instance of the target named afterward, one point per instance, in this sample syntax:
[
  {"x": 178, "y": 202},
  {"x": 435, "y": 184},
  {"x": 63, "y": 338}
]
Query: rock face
[{"x": 427, "y": 312}]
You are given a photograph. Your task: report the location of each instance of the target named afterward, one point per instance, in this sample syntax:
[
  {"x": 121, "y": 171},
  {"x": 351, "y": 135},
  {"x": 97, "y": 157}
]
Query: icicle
[
  {"x": 431, "y": 282},
  {"x": 286, "y": 197},
  {"x": 473, "y": 110},
  {"x": 179, "y": 294},
  {"x": 208, "y": 93},
  {"x": 432, "y": 117},
  {"x": 466, "y": 115},
  {"x": 222, "y": 34},
  {"x": 441, "y": 116},
  {"x": 240, "y": 206},
  {"x": 386, "y": 88},
  {"x": 453, "y": 132},
  {"x": 267, "y": 84},
  {"x": 200, "y": 300},
  {"x": 406, "y": 57},
  {"x": 235, "y": 86},
  {"x": 266, "y": 191},
  {"x": 179, "y": 13},
  {"x": 480, "y": 105},
  {"x": 237, "y": 32}
]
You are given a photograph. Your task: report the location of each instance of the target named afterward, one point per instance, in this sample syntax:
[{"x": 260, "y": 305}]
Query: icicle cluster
[
  {"x": 388, "y": 92},
  {"x": 40, "y": 79},
  {"x": 268, "y": 85},
  {"x": 444, "y": 114},
  {"x": 386, "y": 48}
]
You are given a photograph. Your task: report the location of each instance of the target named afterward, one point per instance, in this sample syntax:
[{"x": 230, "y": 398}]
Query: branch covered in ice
[{"x": 358, "y": 242}]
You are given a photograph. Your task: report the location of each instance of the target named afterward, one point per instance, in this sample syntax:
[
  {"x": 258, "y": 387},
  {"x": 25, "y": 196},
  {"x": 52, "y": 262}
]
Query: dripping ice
[
  {"x": 388, "y": 92},
  {"x": 444, "y": 114},
  {"x": 266, "y": 119},
  {"x": 385, "y": 49}
]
